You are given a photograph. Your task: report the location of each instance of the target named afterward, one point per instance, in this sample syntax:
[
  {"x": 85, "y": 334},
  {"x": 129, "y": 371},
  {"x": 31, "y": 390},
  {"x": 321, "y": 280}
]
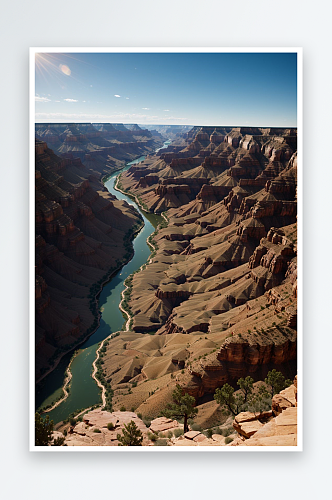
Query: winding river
[{"x": 84, "y": 391}]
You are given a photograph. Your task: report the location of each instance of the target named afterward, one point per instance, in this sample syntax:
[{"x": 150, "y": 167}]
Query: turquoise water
[{"x": 84, "y": 391}]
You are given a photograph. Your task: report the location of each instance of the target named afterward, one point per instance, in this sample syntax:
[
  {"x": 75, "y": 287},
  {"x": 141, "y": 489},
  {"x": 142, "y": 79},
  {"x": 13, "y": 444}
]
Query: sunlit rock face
[{"x": 225, "y": 266}]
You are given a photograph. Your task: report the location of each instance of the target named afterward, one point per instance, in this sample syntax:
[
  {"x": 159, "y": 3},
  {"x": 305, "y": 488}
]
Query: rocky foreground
[
  {"x": 218, "y": 297},
  {"x": 277, "y": 427}
]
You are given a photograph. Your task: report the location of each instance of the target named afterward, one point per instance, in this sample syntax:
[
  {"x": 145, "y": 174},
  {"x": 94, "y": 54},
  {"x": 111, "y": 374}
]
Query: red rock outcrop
[{"x": 275, "y": 428}]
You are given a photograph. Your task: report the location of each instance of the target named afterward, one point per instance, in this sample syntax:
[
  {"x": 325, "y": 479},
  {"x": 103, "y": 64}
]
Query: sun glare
[
  {"x": 49, "y": 65},
  {"x": 65, "y": 69}
]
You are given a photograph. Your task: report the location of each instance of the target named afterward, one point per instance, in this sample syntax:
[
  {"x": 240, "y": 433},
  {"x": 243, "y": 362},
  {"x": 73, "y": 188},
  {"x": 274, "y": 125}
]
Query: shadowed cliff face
[
  {"x": 82, "y": 234},
  {"x": 102, "y": 147},
  {"x": 225, "y": 267}
]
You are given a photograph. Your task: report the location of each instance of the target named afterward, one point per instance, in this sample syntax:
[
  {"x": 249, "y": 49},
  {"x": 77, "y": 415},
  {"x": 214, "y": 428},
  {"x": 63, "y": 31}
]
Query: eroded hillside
[
  {"x": 83, "y": 233},
  {"x": 102, "y": 147},
  {"x": 219, "y": 294}
]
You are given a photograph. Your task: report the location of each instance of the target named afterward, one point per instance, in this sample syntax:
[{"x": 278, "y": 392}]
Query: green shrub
[
  {"x": 209, "y": 433},
  {"x": 97, "y": 430},
  {"x": 228, "y": 440},
  {"x": 170, "y": 434},
  {"x": 161, "y": 442},
  {"x": 139, "y": 415},
  {"x": 178, "y": 432},
  {"x": 123, "y": 408},
  {"x": 131, "y": 435},
  {"x": 196, "y": 427},
  {"x": 110, "y": 426},
  {"x": 72, "y": 421}
]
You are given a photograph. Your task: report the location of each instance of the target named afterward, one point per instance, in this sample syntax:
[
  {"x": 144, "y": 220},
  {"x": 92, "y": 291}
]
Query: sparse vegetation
[
  {"x": 131, "y": 435},
  {"x": 161, "y": 442},
  {"x": 196, "y": 427},
  {"x": 248, "y": 399},
  {"x": 183, "y": 406},
  {"x": 43, "y": 430},
  {"x": 152, "y": 436},
  {"x": 209, "y": 433}
]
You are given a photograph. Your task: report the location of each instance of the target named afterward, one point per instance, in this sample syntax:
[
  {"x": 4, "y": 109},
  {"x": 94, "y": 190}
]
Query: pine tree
[
  {"x": 183, "y": 407},
  {"x": 277, "y": 382},
  {"x": 131, "y": 435},
  {"x": 250, "y": 399},
  {"x": 43, "y": 430},
  {"x": 225, "y": 398}
]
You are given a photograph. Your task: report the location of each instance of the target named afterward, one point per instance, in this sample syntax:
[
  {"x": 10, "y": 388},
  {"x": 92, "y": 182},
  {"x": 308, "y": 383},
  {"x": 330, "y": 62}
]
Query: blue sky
[{"x": 258, "y": 89}]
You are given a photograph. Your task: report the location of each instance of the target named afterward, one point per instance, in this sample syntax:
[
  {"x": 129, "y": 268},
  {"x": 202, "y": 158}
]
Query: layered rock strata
[
  {"x": 225, "y": 267},
  {"x": 102, "y": 147},
  {"x": 83, "y": 234}
]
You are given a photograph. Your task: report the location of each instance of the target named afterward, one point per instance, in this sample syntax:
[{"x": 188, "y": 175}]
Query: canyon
[
  {"x": 217, "y": 299},
  {"x": 83, "y": 235},
  {"x": 82, "y": 232},
  {"x": 219, "y": 294},
  {"x": 101, "y": 147}
]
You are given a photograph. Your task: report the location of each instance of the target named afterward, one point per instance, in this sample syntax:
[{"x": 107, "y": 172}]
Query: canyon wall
[
  {"x": 224, "y": 270},
  {"x": 83, "y": 234},
  {"x": 102, "y": 147}
]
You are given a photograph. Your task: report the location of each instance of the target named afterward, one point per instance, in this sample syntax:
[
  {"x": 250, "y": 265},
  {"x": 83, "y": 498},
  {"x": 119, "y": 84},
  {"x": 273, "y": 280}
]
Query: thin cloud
[
  {"x": 166, "y": 110},
  {"x": 145, "y": 108},
  {"x": 71, "y": 100},
  {"x": 95, "y": 116},
  {"x": 127, "y": 97},
  {"x": 41, "y": 99},
  {"x": 56, "y": 101},
  {"x": 116, "y": 117},
  {"x": 116, "y": 95}
]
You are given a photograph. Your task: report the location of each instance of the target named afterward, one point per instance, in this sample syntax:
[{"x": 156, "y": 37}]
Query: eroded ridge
[{"x": 219, "y": 295}]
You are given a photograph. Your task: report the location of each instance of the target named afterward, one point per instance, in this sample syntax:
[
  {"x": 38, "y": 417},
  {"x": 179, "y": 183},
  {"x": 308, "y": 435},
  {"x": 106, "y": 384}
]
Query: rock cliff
[
  {"x": 102, "y": 147},
  {"x": 224, "y": 268},
  {"x": 82, "y": 234}
]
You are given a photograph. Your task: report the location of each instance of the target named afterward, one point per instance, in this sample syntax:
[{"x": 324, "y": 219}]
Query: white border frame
[{"x": 195, "y": 449}]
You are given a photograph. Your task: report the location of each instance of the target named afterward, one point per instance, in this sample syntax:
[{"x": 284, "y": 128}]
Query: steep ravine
[{"x": 83, "y": 389}]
